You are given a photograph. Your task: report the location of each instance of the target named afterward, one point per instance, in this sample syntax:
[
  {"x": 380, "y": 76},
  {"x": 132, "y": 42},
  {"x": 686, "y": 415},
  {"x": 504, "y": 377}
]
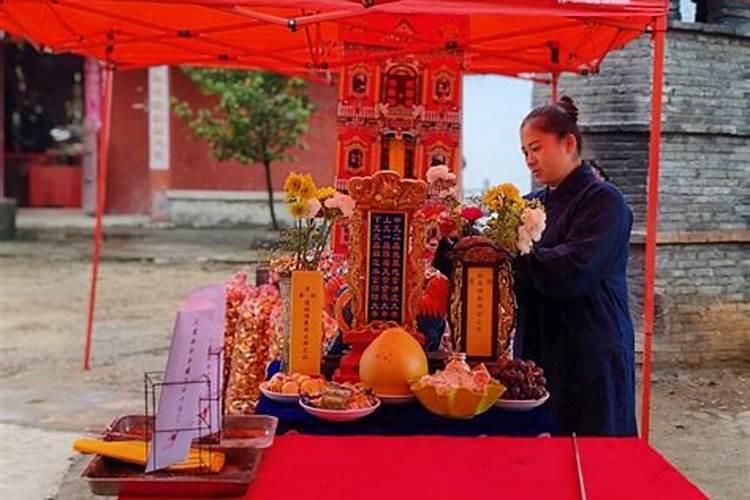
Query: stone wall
[
  {"x": 225, "y": 208},
  {"x": 702, "y": 301},
  {"x": 703, "y": 255}
]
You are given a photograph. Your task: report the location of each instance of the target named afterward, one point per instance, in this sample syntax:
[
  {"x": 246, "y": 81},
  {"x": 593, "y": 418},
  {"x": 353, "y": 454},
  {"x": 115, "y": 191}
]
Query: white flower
[
  {"x": 347, "y": 205},
  {"x": 313, "y": 208},
  {"x": 448, "y": 193},
  {"x": 533, "y": 220},
  {"x": 440, "y": 173},
  {"x": 524, "y": 242},
  {"x": 343, "y": 202}
]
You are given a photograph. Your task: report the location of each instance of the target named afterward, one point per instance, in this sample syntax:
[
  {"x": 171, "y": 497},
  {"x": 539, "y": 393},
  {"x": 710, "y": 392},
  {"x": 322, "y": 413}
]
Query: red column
[
  {"x": 92, "y": 85},
  {"x": 652, "y": 213}
]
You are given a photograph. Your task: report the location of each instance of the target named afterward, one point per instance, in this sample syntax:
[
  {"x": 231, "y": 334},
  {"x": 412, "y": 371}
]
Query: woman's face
[{"x": 549, "y": 157}]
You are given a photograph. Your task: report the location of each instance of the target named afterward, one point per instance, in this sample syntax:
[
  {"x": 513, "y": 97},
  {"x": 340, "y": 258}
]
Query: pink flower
[
  {"x": 448, "y": 193},
  {"x": 343, "y": 202},
  {"x": 472, "y": 213},
  {"x": 440, "y": 173},
  {"x": 313, "y": 208}
]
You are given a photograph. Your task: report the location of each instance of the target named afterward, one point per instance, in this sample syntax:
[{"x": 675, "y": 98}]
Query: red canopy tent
[
  {"x": 300, "y": 37},
  {"x": 536, "y": 39}
]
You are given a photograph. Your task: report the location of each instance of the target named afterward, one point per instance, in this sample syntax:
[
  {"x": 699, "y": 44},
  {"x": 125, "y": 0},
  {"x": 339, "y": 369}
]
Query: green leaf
[{"x": 256, "y": 117}]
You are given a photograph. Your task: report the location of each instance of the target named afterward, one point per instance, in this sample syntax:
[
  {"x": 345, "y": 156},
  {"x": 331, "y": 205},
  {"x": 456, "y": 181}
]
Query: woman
[
  {"x": 572, "y": 289},
  {"x": 598, "y": 170}
]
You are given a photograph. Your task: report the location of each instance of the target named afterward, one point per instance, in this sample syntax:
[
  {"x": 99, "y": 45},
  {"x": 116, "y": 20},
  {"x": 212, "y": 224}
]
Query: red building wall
[
  {"x": 192, "y": 165},
  {"x": 128, "y": 186}
]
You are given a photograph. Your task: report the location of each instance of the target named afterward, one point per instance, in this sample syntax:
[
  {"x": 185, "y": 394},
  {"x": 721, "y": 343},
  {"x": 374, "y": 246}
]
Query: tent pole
[
  {"x": 101, "y": 199},
  {"x": 652, "y": 213}
]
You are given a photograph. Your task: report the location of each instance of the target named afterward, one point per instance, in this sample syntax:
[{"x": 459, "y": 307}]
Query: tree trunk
[{"x": 269, "y": 188}]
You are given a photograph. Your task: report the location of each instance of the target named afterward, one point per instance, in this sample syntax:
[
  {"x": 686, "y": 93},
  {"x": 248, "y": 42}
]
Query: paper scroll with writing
[
  {"x": 482, "y": 311},
  {"x": 480, "y": 340},
  {"x": 190, "y": 396},
  {"x": 306, "y": 322},
  {"x": 385, "y": 273}
]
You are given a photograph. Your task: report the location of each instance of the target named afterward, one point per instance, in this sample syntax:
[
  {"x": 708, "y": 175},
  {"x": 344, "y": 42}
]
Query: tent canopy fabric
[
  {"x": 314, "y": 38},
  {"x": 306, "y": 38}
]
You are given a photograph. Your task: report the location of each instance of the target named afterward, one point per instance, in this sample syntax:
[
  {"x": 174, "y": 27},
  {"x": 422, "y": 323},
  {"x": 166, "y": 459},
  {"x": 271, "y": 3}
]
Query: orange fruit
[
  {"x": 290, "y": 388},
  {"x": 312, "y": 386}
]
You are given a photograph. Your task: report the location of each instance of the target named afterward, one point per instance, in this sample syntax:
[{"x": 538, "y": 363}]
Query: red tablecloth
[
  {"x": 304, "y": 467},
  {"x": 437, "y": 468}
]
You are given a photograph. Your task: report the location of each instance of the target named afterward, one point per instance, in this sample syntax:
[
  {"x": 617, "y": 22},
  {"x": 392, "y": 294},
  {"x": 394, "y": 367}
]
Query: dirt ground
[{"x": 700, "y": 417}]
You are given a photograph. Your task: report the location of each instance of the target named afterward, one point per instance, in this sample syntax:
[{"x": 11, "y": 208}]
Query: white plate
[
  {"x": 396, "y": 400},
  {"x": 339, "y": 415},
  {"x": 277, "y": 396},
  {"x": 521, "y": 404}
]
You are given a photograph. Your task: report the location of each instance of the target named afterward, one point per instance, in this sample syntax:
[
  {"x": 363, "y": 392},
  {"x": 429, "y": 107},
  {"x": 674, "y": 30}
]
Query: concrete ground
[{"x": 700, "y": 417}]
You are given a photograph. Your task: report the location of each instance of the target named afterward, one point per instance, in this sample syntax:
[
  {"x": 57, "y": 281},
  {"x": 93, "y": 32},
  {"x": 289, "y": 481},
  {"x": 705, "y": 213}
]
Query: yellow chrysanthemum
[
  {"x": 487, "y": 196},
  {"x": 293, "y": 184},
  {"x": 325, "y": 192},
  {"x": 510, "y": 192},
  {"x": 298, "y": 209},
  {"x": 493, "y": 199},
  {"x": 502, "y": 196},
  {"x": 308, "y": 189}
]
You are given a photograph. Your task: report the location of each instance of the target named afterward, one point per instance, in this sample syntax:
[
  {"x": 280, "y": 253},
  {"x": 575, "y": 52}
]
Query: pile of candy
[{"x": 252, "y": 340}]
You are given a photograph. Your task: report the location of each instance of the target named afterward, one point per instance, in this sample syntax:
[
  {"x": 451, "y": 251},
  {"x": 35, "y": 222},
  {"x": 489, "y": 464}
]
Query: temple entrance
[{"x": 397, "y": 154}]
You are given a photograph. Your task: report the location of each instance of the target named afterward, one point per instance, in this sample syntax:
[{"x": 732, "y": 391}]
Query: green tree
[{"x": 258, "y": 117}]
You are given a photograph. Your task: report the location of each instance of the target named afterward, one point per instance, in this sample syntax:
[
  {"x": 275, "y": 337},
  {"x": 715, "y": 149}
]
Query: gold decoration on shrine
[
  {"x": 473, "y": 253},
  {"x": 387, "y": 192}
]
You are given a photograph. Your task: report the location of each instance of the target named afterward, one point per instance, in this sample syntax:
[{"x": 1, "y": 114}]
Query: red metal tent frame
[{"x": 304, "y": 38}]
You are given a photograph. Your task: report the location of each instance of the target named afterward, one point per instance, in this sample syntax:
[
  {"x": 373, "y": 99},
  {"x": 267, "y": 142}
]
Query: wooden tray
[
  {"x": 242, "y": 441},
  {"x": 111, "y": 477}
]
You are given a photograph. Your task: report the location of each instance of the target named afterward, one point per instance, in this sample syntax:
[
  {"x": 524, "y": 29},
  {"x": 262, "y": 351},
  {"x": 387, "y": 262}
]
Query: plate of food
[
  {"x": 526, "y": 385},
  {"x": 521, "y": 404},
  {"x": 458, "y": 391},
  {"x": 284, "y": 388},
  {"x": 340, "y": 402}
]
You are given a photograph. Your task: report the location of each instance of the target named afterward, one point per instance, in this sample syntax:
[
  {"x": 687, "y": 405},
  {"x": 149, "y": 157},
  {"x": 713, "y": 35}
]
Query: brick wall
[
  {"x": 705, "y": 182},
  {"x": 703, "y": 256}
]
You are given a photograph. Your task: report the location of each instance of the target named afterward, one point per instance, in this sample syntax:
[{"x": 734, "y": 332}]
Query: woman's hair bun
[{"x": 567, "y": 105}]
